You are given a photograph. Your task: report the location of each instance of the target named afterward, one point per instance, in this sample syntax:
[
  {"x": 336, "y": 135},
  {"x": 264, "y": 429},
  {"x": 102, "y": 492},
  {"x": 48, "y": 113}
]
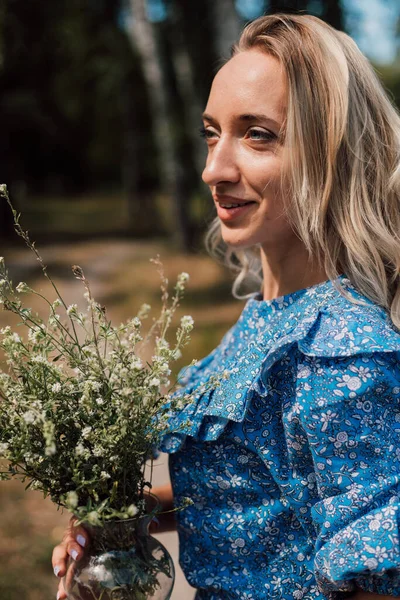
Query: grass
[
  {"x": 122, "y": 277},
  {"x": 97, "y": 215},
  {"x": 82, "y": 215}
]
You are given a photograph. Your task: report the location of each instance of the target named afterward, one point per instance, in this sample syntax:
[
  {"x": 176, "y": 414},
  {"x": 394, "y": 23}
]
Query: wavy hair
[{"x": 342, "y": 157}]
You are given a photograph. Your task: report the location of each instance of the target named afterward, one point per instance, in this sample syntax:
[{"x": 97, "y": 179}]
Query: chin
[{"x": 239, "y": 242}]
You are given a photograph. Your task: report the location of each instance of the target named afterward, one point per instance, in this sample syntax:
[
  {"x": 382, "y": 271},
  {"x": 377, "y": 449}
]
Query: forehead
[{"x": 250, "y": 82}]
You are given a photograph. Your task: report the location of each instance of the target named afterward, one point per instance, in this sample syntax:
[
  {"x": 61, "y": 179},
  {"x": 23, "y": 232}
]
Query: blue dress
[{"x": 293, "y": 461}]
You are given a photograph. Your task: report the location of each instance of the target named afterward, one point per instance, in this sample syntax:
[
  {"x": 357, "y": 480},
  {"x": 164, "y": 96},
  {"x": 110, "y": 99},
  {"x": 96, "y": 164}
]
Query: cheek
[{"x": 265, "y": 176}]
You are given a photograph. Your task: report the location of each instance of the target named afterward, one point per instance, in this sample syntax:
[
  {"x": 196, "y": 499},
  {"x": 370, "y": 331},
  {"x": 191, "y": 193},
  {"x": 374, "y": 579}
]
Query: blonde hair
[{"x": 343, "y": 166}]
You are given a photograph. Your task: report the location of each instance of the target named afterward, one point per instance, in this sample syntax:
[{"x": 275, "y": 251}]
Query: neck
[{"x": 286, "y": 270}]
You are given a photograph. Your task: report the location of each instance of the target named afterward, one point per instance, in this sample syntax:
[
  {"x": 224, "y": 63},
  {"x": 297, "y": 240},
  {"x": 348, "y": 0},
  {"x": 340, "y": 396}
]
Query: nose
[{"x": 221, "y": 165}]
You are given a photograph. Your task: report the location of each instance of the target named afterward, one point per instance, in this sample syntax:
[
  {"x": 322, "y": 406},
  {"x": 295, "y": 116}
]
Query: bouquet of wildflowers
[{"x": 80, "y": 410}]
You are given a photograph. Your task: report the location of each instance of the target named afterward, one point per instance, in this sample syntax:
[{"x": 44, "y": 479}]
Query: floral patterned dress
[{"x": 293, "y": 461}]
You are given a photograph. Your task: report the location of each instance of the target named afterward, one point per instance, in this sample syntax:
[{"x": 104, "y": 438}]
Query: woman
[{"x": 293, "y": 462}]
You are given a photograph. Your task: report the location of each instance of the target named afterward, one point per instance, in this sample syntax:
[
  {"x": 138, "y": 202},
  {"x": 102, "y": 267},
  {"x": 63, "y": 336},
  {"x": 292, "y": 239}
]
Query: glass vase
[{"x": 122, "y": 562}]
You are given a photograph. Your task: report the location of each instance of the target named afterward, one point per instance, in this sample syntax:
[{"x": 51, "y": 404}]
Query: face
[{"x": 242, "y": 122}]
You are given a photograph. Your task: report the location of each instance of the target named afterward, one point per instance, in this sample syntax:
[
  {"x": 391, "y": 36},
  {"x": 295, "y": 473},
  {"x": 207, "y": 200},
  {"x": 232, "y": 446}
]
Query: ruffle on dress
[{"x": 319, "y": 320}]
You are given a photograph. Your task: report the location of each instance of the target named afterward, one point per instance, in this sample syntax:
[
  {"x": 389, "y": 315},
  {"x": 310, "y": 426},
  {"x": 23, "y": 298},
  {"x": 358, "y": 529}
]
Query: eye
[
  {"x": 207, "y": 133},
  {"x": 261, "y": 135}
]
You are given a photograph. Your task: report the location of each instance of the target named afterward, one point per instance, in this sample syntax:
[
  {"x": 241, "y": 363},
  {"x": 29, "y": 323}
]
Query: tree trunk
[
  {"x": 143, "y": 38},
  {"x": 185, "y": 37},
  {"x": 142, "y": 211},
  {"x": 227, "y": 26}
]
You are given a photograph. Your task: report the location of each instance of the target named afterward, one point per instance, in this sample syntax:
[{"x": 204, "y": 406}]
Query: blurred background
[{"x": 100, "y": 104}]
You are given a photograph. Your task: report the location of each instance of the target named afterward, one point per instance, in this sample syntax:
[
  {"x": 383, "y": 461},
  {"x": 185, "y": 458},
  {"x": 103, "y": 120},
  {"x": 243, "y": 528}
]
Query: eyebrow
[{"x": 247, "y": 117}]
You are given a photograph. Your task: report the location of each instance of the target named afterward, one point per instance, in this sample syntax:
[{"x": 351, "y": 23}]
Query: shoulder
[{"x": 346, "y": 324}]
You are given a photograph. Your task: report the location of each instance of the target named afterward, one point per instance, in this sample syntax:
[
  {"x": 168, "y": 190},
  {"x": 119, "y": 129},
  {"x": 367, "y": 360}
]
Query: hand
[{"x": 74, "y": 541}]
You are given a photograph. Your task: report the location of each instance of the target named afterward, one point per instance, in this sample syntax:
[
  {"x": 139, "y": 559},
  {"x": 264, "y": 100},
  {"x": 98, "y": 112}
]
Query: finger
[
  {"x": 80, "y": 535},
  {"x": 69, "y": 577},
  {"x": 59, "y": 559},
  {"x": 60, "y": 553},
  {"x": 75, "y": 550}
]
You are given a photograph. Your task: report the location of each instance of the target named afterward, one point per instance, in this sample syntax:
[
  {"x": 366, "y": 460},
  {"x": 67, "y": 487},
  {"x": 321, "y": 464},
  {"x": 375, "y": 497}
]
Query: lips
[
  {"x": 225, "y": 200},
  {"x": 229, "y": 209}
]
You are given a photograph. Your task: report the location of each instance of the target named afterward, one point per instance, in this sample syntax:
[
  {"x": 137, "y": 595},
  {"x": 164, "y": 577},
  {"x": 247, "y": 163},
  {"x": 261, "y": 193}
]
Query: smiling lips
[{"x": 231, "y": 208}]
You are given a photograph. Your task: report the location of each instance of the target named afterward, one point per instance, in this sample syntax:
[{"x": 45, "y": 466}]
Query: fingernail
[
  {"x": 74, "y": 554},
  {"x": 81, "y": 540},
  {"x": 56, "y": 570}
]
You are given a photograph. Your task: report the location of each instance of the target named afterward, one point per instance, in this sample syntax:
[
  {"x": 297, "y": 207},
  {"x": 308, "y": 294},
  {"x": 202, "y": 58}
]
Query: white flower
[
  {"x": 86, "y": 431},
  {"x": 80, "y": 449},
  {"x": 35, "y": 334},
  {"x": 155, "y": 382},
  {"x": 72, "y": 309},
  {"x": 29, "y": 417},
  {"x": 136, "y": 364},
  {"x": 22, "y": 287},
  {"x": 56, "y": 387},
  {"x": 370, "y": 563},
  {"x": 50, "y": 449},
  {"x": 351, "y": 382},
  {"x": 93, "y": 518},
  {"x": 374, "y": 524},
  {"x": 72, "y": 499},
  {"x": 3, "y": 448},
  {"x": 238, "y": 543},
  {"x": 57, "y": 302},
  {"x": 183, "y": 278},
  {"x": 236, "y": 481},
  {"x": 132, "y": 510},
  {"x": 40, "y": 359},
  {"x": 187, "y": 323},
  {"x": 95, "y": 385}
]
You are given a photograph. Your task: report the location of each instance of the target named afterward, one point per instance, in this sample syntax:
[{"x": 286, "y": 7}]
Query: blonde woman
[{"x": 293, "y": 463}]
